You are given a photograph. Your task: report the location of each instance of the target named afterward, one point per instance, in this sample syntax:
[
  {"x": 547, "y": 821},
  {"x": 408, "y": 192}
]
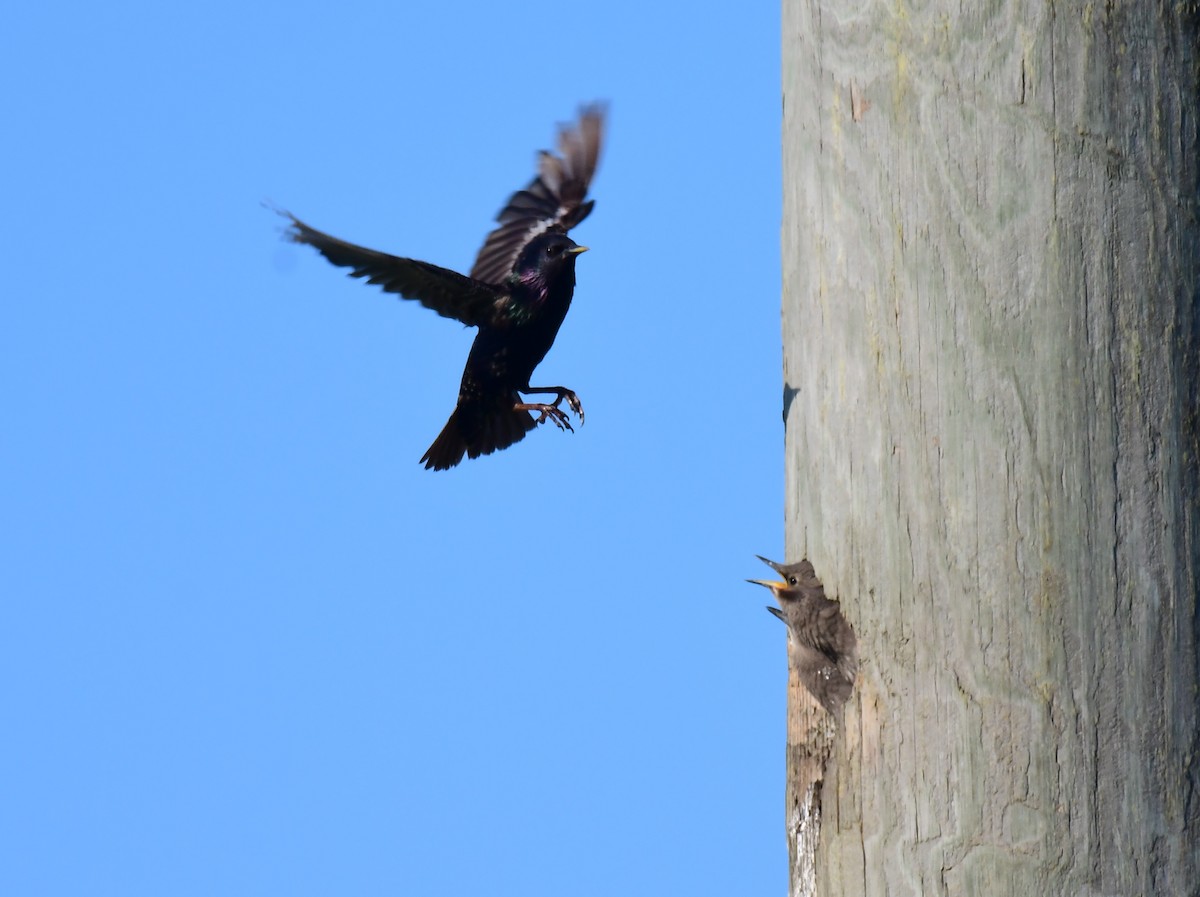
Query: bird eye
[
  {"x": 792, "y": 581},
  {"x": 553, "y": 249}
]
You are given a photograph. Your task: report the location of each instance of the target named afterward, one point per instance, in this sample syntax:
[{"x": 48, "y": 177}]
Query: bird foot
[
  {"x": 573, "y": 401},
  {"x": 545, "y": 411},
  {"x": 560, "y": 393}
]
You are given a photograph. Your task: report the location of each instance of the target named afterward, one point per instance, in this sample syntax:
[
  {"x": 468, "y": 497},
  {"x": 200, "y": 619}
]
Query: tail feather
[{"x": 474, "y": 431}]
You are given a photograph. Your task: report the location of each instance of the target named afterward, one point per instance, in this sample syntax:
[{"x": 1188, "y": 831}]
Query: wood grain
[{"x": 991, "y": 353}]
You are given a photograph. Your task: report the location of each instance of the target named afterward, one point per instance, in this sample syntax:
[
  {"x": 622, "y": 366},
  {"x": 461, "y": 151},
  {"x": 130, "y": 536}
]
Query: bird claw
[
  {"x": 573, "y": 401},
  {"x": 561, "y": 393},
  {"x": 553, "y": 413}
]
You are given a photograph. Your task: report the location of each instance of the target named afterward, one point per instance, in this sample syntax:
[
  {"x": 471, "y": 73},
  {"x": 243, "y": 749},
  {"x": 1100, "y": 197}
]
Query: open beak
[
  {"x": 765, "y": 584},
  {"x": 773, "y": 586},
  {"x": 778, "y": 568}
]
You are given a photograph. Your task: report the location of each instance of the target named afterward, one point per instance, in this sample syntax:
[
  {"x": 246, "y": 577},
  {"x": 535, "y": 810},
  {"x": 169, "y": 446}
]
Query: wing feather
[
  {"x": 446, "y": 292},
  {"x": 556, "y": 199}
]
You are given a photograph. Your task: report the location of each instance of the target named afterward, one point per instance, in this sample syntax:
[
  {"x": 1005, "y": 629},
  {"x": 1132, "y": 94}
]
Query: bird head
[
  {"x": 796, "y": 578},
  {"x": 547, "y": 258},
  {"x": 791, "y": 573}
]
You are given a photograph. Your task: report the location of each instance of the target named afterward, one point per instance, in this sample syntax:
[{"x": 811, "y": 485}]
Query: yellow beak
[{"x": 773, "y": 586}]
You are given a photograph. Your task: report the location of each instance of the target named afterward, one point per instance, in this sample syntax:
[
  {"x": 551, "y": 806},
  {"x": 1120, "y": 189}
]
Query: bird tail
[{"x": 475, "y": 431}]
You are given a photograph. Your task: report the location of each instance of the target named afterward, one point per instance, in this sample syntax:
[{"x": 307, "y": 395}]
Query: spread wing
[
  {"x": 554, "y": 200},
  {"x": 447, "y": 292}
]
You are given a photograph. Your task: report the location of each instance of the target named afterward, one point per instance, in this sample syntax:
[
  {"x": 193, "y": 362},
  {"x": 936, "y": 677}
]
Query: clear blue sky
[{"x": 249, "y": 646}]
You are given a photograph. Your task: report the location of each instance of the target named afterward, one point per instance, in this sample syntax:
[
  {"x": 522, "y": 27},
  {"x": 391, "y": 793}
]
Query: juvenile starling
[
  {"x": 826, "y": 649},
  {"x": 517, "y": 294}
]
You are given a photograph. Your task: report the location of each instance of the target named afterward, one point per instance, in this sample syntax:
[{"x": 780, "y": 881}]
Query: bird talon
[
  {"x": 552, "y": 413},
  {"x": 564, "y": 422},
  {"x": 576, "y": 405},
  {"x": 561, "y": 394}
]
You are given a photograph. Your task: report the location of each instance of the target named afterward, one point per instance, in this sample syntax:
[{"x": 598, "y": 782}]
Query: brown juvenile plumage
[{"x": 824, "y": 647}]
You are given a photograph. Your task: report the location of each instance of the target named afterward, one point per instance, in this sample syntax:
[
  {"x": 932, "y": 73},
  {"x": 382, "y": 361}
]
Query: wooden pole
[{"x": 992, "y": 368}]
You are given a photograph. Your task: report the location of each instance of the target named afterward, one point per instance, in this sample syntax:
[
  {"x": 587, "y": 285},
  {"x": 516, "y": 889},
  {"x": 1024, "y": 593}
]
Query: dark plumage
[
  {"x": 824, "y": 647},
  {"x": 517, "y": 294}
]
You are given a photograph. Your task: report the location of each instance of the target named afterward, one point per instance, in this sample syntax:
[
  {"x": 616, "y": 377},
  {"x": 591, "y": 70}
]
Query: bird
[
  {"x": 517, "y": 294},
  {"x": 825, "y": 649}
]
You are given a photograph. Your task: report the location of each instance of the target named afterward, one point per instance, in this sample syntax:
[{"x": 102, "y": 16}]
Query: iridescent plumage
[{"x": 517, "y": 295}]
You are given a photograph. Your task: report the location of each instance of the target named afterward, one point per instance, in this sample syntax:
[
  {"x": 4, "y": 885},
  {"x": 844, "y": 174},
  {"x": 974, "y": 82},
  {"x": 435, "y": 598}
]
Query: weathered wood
[
  {"x": 811, "y": 733},
  {"x": 992, "y": 363}
]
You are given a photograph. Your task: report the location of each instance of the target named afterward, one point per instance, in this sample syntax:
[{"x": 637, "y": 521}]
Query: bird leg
[
  {"x": 551, "y": 411},
  {"x": 560, "y": 392}
]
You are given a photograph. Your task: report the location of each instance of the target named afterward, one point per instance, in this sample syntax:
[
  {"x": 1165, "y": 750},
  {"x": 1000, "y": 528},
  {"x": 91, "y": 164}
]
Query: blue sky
[{"x": 249, "y": 645}]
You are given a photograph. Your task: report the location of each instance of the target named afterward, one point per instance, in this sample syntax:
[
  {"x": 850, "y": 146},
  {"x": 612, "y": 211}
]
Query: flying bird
[
  {"x": 517, "y": 295},
  {"x": 825, "y": 648}
]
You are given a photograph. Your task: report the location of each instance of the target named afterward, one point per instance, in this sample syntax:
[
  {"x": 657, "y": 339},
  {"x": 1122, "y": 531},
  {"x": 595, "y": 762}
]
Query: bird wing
[
  {"x": 447, "y": 292},
  {"x": 825, "y": 630},
  {"x": 554, "y": 199}
]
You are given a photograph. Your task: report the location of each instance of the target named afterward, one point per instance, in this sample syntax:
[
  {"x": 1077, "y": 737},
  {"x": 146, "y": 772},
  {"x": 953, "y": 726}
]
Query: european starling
[
  {"x": 517, "y": 294},
  {"x": 826, "y": 649}
]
